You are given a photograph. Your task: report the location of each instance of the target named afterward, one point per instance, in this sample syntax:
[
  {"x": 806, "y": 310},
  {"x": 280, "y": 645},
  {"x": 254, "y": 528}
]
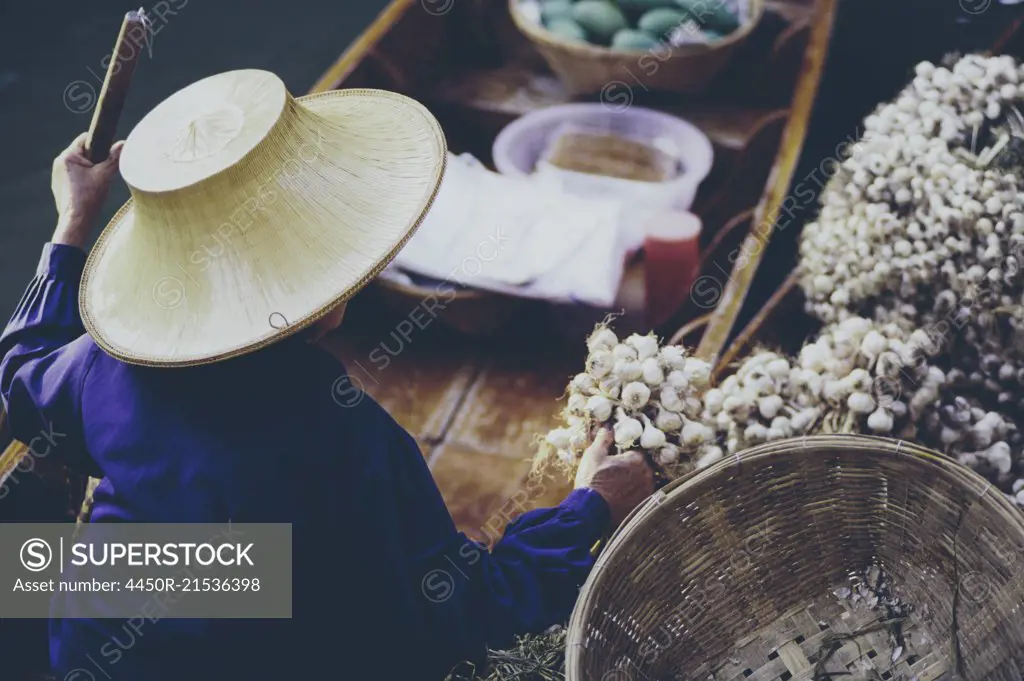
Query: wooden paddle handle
[{"x": 131, "y": 41}]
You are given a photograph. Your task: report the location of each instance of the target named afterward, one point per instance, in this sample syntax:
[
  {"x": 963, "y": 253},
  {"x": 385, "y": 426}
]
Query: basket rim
[
  {"x": 539, "y": 34},
  {"x": 641, "y": 521}
]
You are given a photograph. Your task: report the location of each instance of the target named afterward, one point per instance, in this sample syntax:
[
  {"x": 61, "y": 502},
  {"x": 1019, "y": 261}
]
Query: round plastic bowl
[{"x": 519, "y": 146}]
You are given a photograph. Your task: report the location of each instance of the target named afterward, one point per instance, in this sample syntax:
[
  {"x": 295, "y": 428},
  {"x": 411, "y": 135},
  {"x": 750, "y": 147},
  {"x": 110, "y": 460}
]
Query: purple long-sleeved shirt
[{"x": 385, "y": 587}]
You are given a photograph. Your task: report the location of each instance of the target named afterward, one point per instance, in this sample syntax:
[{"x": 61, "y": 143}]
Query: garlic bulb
[
  {"x": 697, "y": 371},
  {"x": 651, "y": 438},
  {"x": 696, "y": 433},
  {"x": 713, "y": 401},
  {"x": 880, "y": 421},
  {"x": 667, "y": 420},
  {"x": 645, "y": 346},
  {"x": 628, "y": 370},
  {"x": 678, "y": 380},
  {"x": 635, "y": 396},
  {"x": 711, "y": 455},
  {"x": 623, "y": 352},
  {"x": 602, "y": 338},
  {"x": 670, "y": 399},
  {"x": 804, "y": 419},
  {"x": 600, "y": 363},
  {"x": 999, "y": 456},
  {"x": 861, "y": 403},
  {"x": 755, "y": 433},
  {"x": 667, "y": 455},
  {"x": 652, "y": 373},
  {"x": 610, "y": 386},
  {"x": 770, "y": 406},
  {"x": 672, "y": 357},
  {"x": 600, "y": 407},
  {"x": 627, "y": 431},
  {"x": 583, "y": 383},
  {"x": 578, "y": 440}
]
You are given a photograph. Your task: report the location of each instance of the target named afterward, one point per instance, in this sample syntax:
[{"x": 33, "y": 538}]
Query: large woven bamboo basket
[
  {"x": 739, "y": 572},
  {"x": 591, "y": 69}
]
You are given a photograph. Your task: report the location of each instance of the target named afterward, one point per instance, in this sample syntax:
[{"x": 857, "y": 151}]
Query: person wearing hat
[{"x": 177, "y": 362}]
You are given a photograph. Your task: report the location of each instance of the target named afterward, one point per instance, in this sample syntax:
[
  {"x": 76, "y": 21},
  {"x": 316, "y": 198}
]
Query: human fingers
[
  {"x": 75, "y": 154},
  {"x": 600, "y": 447},
  {"x": 110, "y": 164}
]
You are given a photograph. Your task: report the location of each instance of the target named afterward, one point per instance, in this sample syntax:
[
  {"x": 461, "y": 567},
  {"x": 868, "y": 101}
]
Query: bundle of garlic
[
  {"x": 861, "y": 376},
  {"x": 924, "y": 211},
  {"x": 857, "y": 376},
  {"x": 755, "y": 404},
  {"x": 650, "y": 395}
]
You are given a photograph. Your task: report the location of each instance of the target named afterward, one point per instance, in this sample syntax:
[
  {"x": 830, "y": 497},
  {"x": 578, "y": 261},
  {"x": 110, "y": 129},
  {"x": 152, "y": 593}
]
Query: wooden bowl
[
  {"x": 593, "y": 69},
  {"x": 738, "y": 571}
]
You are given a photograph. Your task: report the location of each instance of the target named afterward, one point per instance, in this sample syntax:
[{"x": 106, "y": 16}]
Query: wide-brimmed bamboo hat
[{"x": 253, "y": 213}]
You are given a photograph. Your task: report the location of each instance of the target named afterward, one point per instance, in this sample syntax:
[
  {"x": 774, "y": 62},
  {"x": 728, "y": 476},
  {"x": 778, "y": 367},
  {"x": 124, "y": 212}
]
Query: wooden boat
[
  {"x": 476, "y": 401},
  {"x": 476, "y": 405}
]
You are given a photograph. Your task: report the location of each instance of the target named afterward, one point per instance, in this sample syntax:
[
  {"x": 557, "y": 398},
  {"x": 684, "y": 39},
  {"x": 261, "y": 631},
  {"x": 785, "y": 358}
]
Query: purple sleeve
[
  {"x": 470, "y": 598},
  {"x": 526, "y": 583},
  {"x": 41, "y": 370}
]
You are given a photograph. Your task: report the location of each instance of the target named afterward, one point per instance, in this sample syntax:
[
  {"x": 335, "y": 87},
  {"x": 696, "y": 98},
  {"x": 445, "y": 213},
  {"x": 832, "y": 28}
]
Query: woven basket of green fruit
[{"x": 596, "y": 46}]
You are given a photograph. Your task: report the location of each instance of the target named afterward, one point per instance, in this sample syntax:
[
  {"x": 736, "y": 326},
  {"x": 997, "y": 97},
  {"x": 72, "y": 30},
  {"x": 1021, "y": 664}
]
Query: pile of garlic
[
  {"x": 922, "y": 228},
  {"x": 755, "y": 404},
  {"x": 920, "y": 213},
  {"x": 649, "y": 393},
  {"x": 873, "y": 378},
  {"x": 856, "y": 376}
]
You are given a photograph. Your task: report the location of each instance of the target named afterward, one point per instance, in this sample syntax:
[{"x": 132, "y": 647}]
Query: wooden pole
[{"x": 131, "y": 41}]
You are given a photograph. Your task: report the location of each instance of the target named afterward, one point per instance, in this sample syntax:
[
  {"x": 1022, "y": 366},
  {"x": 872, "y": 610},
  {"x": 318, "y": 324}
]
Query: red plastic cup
[{"x": 671, "y": 262}]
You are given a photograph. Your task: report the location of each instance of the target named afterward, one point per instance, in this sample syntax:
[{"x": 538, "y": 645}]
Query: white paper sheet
[{"x": 520, "y": 236}]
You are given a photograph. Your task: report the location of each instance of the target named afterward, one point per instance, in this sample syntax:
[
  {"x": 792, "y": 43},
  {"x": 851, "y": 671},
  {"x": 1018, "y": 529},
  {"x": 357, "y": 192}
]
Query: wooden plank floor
[{"x": 475, "y": 406}]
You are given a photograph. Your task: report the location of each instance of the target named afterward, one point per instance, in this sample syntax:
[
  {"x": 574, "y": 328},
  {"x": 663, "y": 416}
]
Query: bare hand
[
  {"x": 623, "y": 480},
  {"x": 79, "y": 189}
]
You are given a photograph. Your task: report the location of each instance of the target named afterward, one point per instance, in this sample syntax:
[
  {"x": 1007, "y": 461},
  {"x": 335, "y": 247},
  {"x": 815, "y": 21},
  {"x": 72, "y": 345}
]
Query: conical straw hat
[{"x": 253, "y": 213}]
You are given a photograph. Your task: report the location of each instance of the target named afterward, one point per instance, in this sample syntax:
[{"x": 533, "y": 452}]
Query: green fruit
[
  {"x": 555, "y": 9},
  {"x": 632, "y": 39},
  {"x": 660, "y": 21},
  {"x": 599, "y": 19},
  {"x": 568, "y": 29},
  {"x": 645, "y": 5},
  {"x": 710, "y": 15}
]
